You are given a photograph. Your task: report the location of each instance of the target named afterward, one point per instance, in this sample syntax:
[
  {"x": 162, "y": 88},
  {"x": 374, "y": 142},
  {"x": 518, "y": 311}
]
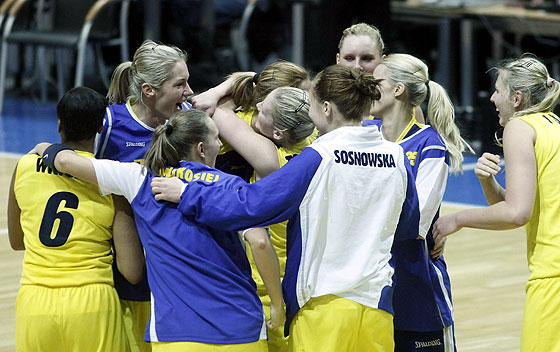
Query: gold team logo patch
[{"x": 411, "y": 157}]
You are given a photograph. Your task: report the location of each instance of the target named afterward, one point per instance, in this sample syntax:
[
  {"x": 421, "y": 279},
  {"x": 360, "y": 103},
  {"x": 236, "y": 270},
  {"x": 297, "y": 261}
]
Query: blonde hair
[
  {"x": 413, "y": 73},
  {"x": 290, "y": 114},
  {"x": 152, "y": 64},
  {"x": 174, "y": 141},
  {"x": 249, "y": 89},
  {"x": 364, "y": 29},
  {"x": 530, "y": 77},
  {"x": 351, "y": 91}
]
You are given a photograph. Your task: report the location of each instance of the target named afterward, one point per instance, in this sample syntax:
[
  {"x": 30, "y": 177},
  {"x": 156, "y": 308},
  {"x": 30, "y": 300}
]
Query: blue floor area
[
  {"x": 465, "y": 188},
  {"x": 25, "y": 123}
]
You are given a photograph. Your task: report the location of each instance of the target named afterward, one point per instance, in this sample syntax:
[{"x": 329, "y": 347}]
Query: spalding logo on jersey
[{"x": 411, "y": 157}]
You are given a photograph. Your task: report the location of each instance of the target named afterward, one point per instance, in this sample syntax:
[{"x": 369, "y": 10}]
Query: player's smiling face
[
  {"x": 503, "y": 100},
  {"x": 172, "y": 92},
  {"x": 265, "y": 122},
  {"x": 359, "y": 52},
  {"x": 386, "y": 89}
]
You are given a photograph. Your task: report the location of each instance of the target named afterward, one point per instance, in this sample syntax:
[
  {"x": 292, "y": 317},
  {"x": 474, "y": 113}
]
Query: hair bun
[{"x": 367, "y": 85}]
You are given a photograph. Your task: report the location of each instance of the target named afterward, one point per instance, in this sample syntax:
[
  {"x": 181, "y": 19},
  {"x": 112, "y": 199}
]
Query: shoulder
[
  {"x": 524, "y": 123},
  {"x": 518, "y": 129},
  {"x": 246, "y": 116},
  {"x": 425, "y": 137}
]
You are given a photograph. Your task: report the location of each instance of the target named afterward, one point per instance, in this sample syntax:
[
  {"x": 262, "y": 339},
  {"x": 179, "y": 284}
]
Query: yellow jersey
[
  {"x": 66, "y": 224},
  {"x": 543, "y": 229}
]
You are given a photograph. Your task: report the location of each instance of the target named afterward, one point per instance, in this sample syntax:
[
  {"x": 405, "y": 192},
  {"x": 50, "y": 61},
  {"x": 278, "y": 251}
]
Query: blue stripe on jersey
[
  {"x": 410, "y": 216},
  {"x": 293, "y": 248},
  {"x": 434, "y": 152}
]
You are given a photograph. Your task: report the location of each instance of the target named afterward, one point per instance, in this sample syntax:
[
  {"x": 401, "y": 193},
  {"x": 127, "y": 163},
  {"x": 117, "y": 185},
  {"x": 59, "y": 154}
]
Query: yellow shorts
[
  {"x": 136, "y": 315},
  {"x": 259, "y": 346},
  {"x": 541, "y": 323},
  {"x": 331, "y": 323},
  {"x": 276, "y": 340},
  {"x": 84, "y": 318}
]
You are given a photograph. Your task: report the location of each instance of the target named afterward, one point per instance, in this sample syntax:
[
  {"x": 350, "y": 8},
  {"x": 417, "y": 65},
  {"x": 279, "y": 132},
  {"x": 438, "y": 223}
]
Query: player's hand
[
  {"x": 487, "y": 166},
  {"x": 443, "y": 227},
  {"x": 277, "y": 317},
  {"x": 437, "y": 251},
  {"x": 39, "y": 149},
  {"x": 206, "y": 101},
  {"x": 167, "y": 188}
]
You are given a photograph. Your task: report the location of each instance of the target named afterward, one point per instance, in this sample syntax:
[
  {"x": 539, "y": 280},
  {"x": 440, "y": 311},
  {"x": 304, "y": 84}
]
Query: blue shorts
[{"x": 425, "y": 341}]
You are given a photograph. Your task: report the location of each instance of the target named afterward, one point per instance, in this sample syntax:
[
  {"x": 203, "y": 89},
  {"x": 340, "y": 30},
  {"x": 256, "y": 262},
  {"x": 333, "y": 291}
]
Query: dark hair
[
  {"x": 174, "y": 141},
  {"x": 353, "y": 92},
  {"x": 81, "y": 111}
]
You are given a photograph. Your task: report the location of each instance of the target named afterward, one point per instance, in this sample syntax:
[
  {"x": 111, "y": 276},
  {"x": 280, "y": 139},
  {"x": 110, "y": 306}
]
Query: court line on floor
[
  {"x": 3, "y": 232},
  {"x": 10, "y": 155},
  {"x": 461, "y": 205}
]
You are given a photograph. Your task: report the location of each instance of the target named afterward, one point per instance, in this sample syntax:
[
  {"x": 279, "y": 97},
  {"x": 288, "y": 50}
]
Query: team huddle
[{"x": 274, "y": 212}]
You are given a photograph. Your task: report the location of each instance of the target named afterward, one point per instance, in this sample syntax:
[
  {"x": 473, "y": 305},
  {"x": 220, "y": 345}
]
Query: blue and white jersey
[
  {"x": 344, "y": 196},
  {"x": 125, "y": 137},
  {"x": 422, "y": 297},
  {"x": 200, "y": 278}
]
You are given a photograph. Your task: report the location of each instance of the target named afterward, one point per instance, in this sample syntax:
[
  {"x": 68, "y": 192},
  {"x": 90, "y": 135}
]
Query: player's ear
[
  {"x": 399, "y": 89},
  {"x": 277, "y": 135},
  {"x": 200, "y": 150},
  {"x": 517, "y": 99},
  {"x": 148, "y": 90}
]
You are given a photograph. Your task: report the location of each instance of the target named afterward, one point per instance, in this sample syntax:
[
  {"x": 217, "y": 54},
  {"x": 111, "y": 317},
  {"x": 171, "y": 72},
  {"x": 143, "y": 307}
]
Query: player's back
[{"x": 67, "y": 226}]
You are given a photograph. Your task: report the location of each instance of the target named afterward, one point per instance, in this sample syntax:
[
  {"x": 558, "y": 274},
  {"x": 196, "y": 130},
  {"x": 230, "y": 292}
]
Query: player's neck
[
  {"x": 84, "y": 145},
  {"x": 395, "y": 121},
  {"x": 145, "y": 115}
]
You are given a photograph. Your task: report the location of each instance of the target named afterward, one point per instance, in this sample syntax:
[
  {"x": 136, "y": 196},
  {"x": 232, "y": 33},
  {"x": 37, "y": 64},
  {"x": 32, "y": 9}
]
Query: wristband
[{"x": 50, "y": 153}]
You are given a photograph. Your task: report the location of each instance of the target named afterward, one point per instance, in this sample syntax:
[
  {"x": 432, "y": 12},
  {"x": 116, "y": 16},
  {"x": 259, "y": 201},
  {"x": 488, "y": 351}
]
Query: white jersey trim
[
  {"x": 135, "y": 117},
  {"x": 109, "y": 118},
  {"x": 152, "y": 331}
]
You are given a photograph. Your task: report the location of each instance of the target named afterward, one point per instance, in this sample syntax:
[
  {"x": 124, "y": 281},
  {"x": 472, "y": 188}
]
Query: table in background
[{"x": 498, "y": 19}]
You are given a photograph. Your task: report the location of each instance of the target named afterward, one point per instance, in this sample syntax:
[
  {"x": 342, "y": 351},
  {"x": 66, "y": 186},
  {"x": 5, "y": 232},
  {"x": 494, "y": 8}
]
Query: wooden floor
[{"x": 488, "y": 273}]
